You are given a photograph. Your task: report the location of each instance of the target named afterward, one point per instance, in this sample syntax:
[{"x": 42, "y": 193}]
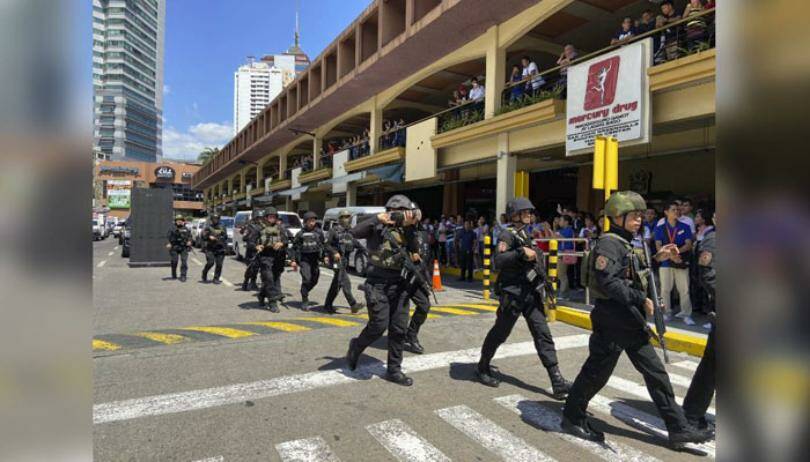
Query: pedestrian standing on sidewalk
[
  {"x": 674, "y": 272},
  {"x": 466, "y": 246}
]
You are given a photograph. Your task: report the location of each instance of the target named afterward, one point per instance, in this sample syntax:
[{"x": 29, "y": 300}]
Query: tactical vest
[
  {"x": 219, "y": 233},
  {"x": 270, "y": 235},
  {"x": 637, "y": 267},
  {"x": 345, "y": 241},
  {"x": 514, "y": 276},
  {"x": 179, "y": 237},
  {"x": 385, "y": 256},
  {"x": 310, "y": 242}
]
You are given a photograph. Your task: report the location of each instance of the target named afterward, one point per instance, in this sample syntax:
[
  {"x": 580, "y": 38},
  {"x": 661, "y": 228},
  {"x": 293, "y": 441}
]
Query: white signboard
[
  {"x": 609, "y": 95},
  {"x": 248, "y": 196},
  {"x": 267, "y": 182},
  {"x": 295, "y": 182},
  {"x": 338, "y": 170}
]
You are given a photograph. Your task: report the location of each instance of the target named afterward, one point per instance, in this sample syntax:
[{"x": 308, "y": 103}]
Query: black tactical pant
[
  {"x": 509, "y": 311},
  {"x": 182, "y": 256},
  {"x": 606, "y": 345},
  {"x": 340, "y": 280},
  {"x": 253, "y": 266},
  {"x": 421, "y": 299},
  {"x": 701, "y": 390},
  {"x": 271, "y": 268},
  {"x": 386, "y": 310},
  {"x": 213, "y": 257},
  {"x": 310, "y": 272}
]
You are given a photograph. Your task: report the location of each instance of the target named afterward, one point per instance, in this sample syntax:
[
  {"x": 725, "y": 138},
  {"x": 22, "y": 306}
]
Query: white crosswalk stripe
[
  {"x": 640, "y": 391},
  {"x": 489, "y": 435},
  {"x": 688, "y": 365},
  {"x": 211, "y": 459},
  {"x": 403, "y": 443},
  {"x": 550, "y": 421},
  {"x": 306, "y": 450}
]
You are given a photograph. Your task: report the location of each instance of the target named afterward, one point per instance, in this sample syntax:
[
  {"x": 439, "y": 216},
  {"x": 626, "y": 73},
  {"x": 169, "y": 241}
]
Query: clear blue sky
[{"x": 207, "y": 40}]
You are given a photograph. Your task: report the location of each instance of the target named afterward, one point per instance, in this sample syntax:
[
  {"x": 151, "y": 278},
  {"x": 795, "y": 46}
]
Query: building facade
[{"x": 128, "y": 43}]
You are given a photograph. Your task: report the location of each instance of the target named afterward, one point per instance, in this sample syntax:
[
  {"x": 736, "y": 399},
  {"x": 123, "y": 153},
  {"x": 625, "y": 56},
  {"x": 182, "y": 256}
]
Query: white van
[
  {"x": 290, "y": 219},
  {"x": 357, "y": 260}
]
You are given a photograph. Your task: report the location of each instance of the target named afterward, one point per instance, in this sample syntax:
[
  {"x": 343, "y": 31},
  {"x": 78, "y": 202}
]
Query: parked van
[{"x": 357, "y": 260}]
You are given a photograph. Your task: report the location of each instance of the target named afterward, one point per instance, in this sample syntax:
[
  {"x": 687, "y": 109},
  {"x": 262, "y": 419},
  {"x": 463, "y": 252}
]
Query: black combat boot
[
  {"x": 584, "y": 431},
  {"x": 182, "y": 278},
  {"x": 559, "y": 386},
  {"x": 304, "y": 303},
  {"x": 688, "y": 435},
  {"x": 487, "y": 376},
  {"x": 253, "y": 285},
  {"x": 260, "y": 296},
  {"x": 272, "y": 305},
  {"x": 412, "y": 344},
  {"x": 216, "y": 281},
  {"x": 174, "y": 275},
  {"x": 353, "y": 355},
  {"x": 204, "y": 278},
  {"x": 399, "y": 378},
  {"x": 701, "y": 424},
  {"x": 245, "y": 286},
  {"x": 356, "y": 307},
  {"x": 329, "y": 309}
]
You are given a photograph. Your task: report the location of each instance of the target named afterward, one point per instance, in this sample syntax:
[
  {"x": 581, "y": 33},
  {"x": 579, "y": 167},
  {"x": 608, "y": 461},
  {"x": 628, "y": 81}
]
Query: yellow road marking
[
  {"x": 429, "y": 316},
  {"x": 445, "y": 309},
  {"x": 330, "y": 321},
  {"x": 223, "y": 331},
  {"x": 167, "y": 339},
  {"x": 284, "y": 326},
  {"x": 480, "y": 307},
  {"x": 104, "y": 345}
]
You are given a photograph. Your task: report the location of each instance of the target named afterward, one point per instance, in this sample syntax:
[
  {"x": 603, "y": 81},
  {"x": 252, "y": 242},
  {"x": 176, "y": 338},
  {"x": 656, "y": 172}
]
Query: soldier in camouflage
[
  {"x": 215, "y": 244},
  {"x": 179, "y": 244},
  {"x": 271, "y": 249},
  {"x": 308, "y": 248},
  {"x": 339, "y": 245}
]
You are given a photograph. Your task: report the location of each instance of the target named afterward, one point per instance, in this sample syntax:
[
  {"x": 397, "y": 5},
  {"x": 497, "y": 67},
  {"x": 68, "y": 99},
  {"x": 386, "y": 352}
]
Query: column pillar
[
  {"x": 495, "y": 73},
  {"x": 260, "y": 173},
  {"x": 506, "y": 165},
  {"x": 351, "y": 195},
  {"x": 375, "y": 129},
  {"x": 317, "y": 145},
  {"x": 282, "y": 167}
]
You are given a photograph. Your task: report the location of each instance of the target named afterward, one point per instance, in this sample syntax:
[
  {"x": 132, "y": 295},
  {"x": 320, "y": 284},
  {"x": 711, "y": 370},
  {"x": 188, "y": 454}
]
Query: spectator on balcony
[
  {"x": 626, "y": 32},
  {"x": 671, "y": 35},
  {"x": 695, "y": 26},
  {"x": 530, "y": 70},
  {"x": 646, "y": 23},
  {"x": 516, "y": 90},
  {"x": 674, "y": 271},
  {"x": 455, "y": 100},
  {"x": 568, "y": 55},
  {"x": 477, "y": 92}
]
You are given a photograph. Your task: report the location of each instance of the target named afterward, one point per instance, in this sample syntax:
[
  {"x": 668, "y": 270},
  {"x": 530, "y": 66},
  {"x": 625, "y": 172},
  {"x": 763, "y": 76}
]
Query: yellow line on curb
[
  {"x": 329, "y": 321},
  {"x": 480, "y": 307},
  {"x": 223, "y": 331},
  {"x": 283, "y": 326},
  {"x": 429, "y": 316},
  {"x": 105, "y": 345},
  {"x": 448, "y": 310},
  {"x": 167, "y": 339}
]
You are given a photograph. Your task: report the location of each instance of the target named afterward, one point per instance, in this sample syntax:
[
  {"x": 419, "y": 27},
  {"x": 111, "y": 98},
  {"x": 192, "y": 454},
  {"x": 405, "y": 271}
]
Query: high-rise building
[
  {"x": 128, "y": 38},
  {"x": 256, "y": 83}
]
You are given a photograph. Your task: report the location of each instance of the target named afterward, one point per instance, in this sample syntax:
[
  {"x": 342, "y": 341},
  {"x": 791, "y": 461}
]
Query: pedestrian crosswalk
[{"x": 493, "y": 436}]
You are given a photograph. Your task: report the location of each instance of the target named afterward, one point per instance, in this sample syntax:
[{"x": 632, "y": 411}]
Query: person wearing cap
[
  {"x": 250, "y": 234},
  {"x": 308, "y": 247},
  {"x": 215, "y": 239},
  {"x": 271, "y": 249},
  {"x": 518, "y": 259},
  {"x": 386, "y": 235},
  {"x": 616, "y": 285},
  {"x": 179, "y": 243},
  {"x": 339, "y": 245}
]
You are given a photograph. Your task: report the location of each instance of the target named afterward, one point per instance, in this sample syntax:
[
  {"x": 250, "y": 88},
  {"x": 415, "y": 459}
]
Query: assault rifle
[
  {"x": 658, "y": 302},
  {"x": 411, "y": 271}
]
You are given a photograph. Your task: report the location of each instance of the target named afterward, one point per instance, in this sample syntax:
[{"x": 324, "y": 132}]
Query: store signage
[
  {"x": 187, "y": 175},
  {"x": 164, "y": 172},
  {"x": 119, "y": 194},
  {"x": 118, "y": 169},
  {"x": 609, "y": 95}
]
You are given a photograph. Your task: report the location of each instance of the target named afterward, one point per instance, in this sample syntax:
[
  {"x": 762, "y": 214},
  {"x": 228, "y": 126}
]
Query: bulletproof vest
[
  {"x": 270, "y": 235},
  {"x": 253, "y": 233},
  {"x": 180, "y": 236},
  {"x": 219, "y": 233},
  {"x": 512, "y": 275},
  {"x": 310, "y": 242},
  {"x": 634, "y": 263},
  {"x": 345, "y": 241},
  {"x": 386, "y": 256}
]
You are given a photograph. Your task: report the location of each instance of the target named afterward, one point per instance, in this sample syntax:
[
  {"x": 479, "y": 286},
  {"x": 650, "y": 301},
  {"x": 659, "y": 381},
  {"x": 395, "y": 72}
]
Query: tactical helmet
[
  {"x": 259, "y": 214},
  {"x": 309, "y": 215},
  {"x": 345, "y": 213},
  {"x": 270, "y": 211},
  {"x": 179, "y": 218},
  {"x": 214, "y": 216},
  {"x": 623, "y": 202},
  {"x": 399, "y": 201},
  {"x": 517, "y": 205}
]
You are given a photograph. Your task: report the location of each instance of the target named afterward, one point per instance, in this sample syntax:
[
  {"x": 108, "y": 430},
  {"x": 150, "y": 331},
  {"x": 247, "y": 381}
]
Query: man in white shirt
[
  {"x": 477, "y": 91},
  {"x": 530, "y": 68}
]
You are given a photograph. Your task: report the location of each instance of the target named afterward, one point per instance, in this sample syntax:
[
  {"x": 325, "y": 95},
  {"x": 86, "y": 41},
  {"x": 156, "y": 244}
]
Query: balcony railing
[
  {"x": 393, "y": 138},
  {"x": 467, "y": 113}
]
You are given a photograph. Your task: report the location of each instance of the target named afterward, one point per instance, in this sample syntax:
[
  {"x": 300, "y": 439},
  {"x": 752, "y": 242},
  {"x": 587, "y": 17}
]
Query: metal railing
[
  {"x": 563, "y": 253},
  {"x": 393, "y": 138},
  {"x": 459, "y": 116}
]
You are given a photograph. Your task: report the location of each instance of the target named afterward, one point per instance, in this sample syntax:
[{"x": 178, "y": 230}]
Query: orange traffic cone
[{"x": 437, "y": 277}]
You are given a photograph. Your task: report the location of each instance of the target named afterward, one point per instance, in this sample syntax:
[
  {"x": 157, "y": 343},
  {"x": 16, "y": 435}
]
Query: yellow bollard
[
  {"x": 551, "y": 313},
  {"x": 487, "y": 253}
]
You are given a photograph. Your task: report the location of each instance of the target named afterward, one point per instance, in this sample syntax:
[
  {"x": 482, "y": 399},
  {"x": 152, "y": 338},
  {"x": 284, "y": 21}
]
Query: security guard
[
  {"x": 179, "y": 243},
  {"x": 418, "y": 294},
  {"x": 702, "y": 388},
  {"x": 385, "y": 288},
  {"x": 308, "y": 247},
  {"x": 215, "y": 242},
  {"x": 616, "y": 282},
  {"x": 521, "y": 287},
  {"x": 251, "y": 234},
  {"x": 339, "y": 245},
  {"x": 271, "y": 248}
]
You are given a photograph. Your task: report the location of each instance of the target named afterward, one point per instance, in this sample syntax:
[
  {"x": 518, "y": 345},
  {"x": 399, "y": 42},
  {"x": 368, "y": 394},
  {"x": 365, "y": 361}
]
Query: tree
[{"x": 206, "y": 155}]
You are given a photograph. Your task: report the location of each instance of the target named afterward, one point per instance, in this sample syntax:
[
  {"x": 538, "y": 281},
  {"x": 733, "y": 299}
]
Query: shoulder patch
[
  {"x": 601, "y": 263},
  {"x": 705, "y": 258}
]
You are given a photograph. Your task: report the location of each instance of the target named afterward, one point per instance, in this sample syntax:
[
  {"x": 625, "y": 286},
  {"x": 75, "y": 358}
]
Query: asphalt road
[{"x": 190, "y": 371}]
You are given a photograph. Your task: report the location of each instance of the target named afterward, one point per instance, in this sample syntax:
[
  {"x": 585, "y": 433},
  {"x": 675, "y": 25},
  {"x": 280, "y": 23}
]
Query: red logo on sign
[{"x": 602, "y": 79}]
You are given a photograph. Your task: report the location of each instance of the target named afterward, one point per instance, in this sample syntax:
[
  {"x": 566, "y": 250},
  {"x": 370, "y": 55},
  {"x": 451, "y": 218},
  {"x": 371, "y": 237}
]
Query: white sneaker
[
  {"x": 688, "y": 321},
  {"x": 708, "y": 325}
]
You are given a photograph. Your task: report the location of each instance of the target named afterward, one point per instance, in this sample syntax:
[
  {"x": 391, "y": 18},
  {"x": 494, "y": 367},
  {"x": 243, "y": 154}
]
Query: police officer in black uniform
[
  {"x": 702, "y": 388},
  {"x": 271, "y": 248},
  {"x": 339, "y": 245},
  {"x": 417, "y": 293},
  {"x": 251, "y": 234},
  {"x": 215, "y": 243},
  {"x": 616, "y": 284},
  {"x": 521, "y": 287},
  {"x": 308, "y": 247},
  {"x": 385, "y": 286},
  {"x": 179, "y": 243}
]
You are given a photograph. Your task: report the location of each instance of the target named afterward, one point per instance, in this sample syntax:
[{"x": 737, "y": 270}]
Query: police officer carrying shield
[
  {"x": 386, "y": 235},
  {"x": 215, "y": 242},
  {"x": 616, "y": 283},
  {"x": 339, "y": 245},
  {"x": 701, "y": 390},
  {"x": 251, "y": 234},
  {"x": 308, "y": 247},
  {"x": 271, "y": 249},
  {"x": 521, "y": 287},
  {"x": 417, "y": 293},
  {"x": 179, "y": 243}
]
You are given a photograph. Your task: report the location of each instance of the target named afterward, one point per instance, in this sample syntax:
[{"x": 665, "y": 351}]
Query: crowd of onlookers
[{"x": 458, "y": 241}]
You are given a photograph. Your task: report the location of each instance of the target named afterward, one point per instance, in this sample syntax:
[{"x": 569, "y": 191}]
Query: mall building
[{"x": 402, "y": 60}]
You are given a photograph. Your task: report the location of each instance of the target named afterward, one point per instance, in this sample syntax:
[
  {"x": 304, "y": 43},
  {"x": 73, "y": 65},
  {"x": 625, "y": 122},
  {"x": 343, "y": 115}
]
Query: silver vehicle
[
  {"x": 228, "y": 223},
  {"x": 196, "y": 229},
  {"x": 291, "y": 221},
  {"x": 357, "y": 260}
]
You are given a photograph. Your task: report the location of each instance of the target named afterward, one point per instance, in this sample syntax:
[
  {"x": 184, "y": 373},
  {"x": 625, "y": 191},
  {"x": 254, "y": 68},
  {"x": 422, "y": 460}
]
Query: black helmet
[
  {"x": 270, "y": 211},
  {"x": 258, "y": 214},
  {"x": 517, "y": 205},
  {"x": 399, "y": 201},
  {"x": 309, "y": 215}
]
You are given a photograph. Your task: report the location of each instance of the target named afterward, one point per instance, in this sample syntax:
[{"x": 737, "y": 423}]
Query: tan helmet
[{"x": 623, "y": 202}]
